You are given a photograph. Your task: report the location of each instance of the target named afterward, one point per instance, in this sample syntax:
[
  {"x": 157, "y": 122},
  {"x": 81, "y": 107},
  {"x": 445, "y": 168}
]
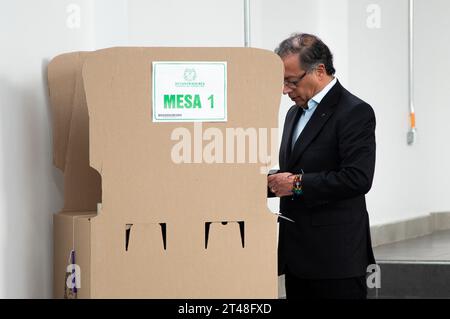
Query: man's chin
[{"x": 298, "y": 102}]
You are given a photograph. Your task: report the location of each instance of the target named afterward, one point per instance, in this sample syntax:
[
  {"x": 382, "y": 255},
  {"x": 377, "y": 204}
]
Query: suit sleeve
[
  {"x": 356, "y": 136},
  {"x": 270, "y": 194}
]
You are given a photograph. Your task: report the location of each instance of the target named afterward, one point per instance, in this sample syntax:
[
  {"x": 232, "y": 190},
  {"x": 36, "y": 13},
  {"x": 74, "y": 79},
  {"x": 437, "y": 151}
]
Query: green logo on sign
[{"x": 190, "y": 75}]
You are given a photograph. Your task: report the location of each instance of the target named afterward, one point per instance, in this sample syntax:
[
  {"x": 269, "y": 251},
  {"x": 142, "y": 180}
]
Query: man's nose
[{"x": 286, "y": 89}]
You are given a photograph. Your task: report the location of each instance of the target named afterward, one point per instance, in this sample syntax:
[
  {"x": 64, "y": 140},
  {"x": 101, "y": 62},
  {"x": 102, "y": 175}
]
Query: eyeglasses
[{"x": 293, "y": 84}]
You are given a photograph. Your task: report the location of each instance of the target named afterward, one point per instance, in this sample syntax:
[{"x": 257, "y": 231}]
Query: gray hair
[{"x": 312, "y": 51}]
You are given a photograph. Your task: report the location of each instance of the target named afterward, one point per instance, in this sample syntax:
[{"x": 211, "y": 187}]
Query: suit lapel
[
  {"x": 321, "y": 115},
  {"x": 285, "y": 151}
]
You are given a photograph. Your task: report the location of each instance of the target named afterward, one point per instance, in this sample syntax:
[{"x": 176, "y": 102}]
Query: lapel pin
[{"x": 323, "y": 114}]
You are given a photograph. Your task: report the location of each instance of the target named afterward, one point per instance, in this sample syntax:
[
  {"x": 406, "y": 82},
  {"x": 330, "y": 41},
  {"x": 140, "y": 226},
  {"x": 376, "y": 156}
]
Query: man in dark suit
[{"x": 327, "y": 161}]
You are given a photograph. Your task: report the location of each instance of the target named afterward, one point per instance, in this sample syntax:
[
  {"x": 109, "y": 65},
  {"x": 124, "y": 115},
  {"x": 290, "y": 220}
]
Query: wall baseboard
[{"x": 409, "y": 229}]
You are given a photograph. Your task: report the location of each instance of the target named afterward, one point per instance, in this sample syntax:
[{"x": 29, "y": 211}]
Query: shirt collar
[{"x": 319, "y": 96}]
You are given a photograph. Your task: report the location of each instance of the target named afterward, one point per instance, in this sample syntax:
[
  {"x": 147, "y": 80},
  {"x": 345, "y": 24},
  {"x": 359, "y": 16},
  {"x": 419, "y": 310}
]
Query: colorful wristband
[{"x": 297, "y": 186}]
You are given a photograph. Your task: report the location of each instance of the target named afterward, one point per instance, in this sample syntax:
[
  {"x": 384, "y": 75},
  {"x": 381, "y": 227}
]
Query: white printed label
[{"x": 189, "y": 91}]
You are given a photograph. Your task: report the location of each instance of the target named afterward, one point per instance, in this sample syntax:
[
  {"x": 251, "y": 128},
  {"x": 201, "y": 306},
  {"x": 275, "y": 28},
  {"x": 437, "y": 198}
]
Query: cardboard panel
[
  {"x": 71, "y": 232},
  {"x": 144, "y": 188},
  {"x": 62, "y": 74},
  {"x": 83, "y": 253},
  {"x": 186, "y": 269},
  {"x": 82, "y": 184},
  {"x": 62, "y": 245},
  {"x": 138, "y": 173}
]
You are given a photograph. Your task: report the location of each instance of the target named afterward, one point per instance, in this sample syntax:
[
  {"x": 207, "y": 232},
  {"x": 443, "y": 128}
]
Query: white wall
[
  {"x": 432, "y": 94},
  {"x": 31, "y": 33},
  {"x": 379, "y": 74},
  {"x": 413, "y": 180},
  {"x": 109, "y": 23},
  {"x": 372, "y": 63},
  {"x": 185, "y": 23}
]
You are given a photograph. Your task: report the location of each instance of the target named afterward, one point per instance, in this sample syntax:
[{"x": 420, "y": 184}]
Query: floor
[
  {"x": 417, "y": 268},
  {"x": 433, "y": 248}
]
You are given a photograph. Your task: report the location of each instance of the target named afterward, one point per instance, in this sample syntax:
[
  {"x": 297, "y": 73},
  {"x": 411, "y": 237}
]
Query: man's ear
[{"x": 321, "y": 71}]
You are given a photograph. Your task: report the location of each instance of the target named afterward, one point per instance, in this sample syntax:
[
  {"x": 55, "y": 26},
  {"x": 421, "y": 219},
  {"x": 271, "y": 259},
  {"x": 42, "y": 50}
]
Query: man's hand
[{"x": 281, "y": 184}]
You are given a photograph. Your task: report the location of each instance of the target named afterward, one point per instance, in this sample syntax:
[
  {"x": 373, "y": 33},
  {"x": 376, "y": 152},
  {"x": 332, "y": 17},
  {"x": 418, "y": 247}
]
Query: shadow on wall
[{"x": 33, "y": 189}]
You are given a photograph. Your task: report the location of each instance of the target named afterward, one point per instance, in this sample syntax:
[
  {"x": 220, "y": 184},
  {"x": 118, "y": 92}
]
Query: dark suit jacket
[{"x": 336, "y": 150}]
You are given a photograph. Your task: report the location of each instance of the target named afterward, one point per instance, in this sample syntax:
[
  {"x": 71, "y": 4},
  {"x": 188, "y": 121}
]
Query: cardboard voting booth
[{"x": 144, "y": 217}]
